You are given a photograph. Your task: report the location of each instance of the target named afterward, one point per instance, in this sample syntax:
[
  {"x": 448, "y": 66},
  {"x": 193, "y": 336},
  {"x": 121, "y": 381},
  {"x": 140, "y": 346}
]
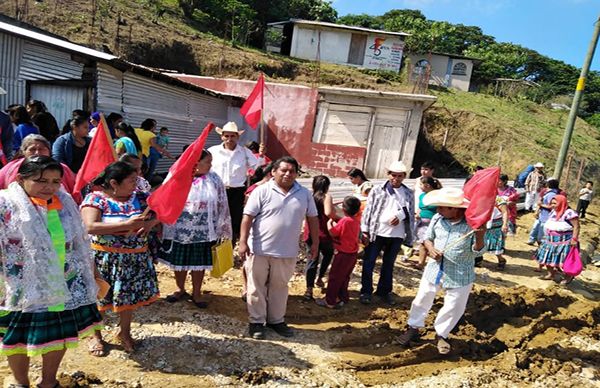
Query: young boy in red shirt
[{"x": 345, "y": 235}]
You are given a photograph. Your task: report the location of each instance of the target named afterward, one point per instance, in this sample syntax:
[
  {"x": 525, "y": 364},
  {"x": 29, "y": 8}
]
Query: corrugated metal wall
[
  {"x": 109, "y": 89},
  {"x": 184, "y": 112},
  {"x": 44, "y": 63},
  {"x": 21, "y": 61},
  {"x": 10, "y": 62}
]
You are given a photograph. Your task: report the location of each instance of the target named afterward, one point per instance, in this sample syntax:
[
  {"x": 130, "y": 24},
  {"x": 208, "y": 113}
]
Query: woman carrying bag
[{"x": 187, "y": 245}]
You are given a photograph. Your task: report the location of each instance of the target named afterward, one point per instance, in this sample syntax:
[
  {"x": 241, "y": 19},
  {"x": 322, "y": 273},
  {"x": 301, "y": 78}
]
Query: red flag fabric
[
  {"x": 99, "y": 155},
  {"x": 252, "y": 108},
  {"x": 481, "y": 190},
  {"x": 169, "y": 199}
]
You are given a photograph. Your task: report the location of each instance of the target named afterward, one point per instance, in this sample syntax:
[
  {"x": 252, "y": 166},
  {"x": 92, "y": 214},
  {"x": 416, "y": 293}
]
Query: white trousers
[
  {"x": 531, "y": 200},
  {"x": 455, "y": 302}
]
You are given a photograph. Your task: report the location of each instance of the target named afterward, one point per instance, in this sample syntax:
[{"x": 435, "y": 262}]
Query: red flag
[
  {"x": 99, "y": 155},
  {"x": 169, "y": 199},
  {"x": 481, "y": 190},
  {"x": 252, "y": 108}
]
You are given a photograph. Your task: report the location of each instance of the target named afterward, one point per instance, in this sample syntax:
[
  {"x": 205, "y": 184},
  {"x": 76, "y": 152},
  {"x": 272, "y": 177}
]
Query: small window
[
  {"x": 421, "y": 66},
  {"x": 459, "y": 68}
]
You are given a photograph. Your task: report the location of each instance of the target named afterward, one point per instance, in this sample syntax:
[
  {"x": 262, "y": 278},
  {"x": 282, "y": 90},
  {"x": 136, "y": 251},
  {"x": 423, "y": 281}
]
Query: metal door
[{"x": 60, "y": 100}]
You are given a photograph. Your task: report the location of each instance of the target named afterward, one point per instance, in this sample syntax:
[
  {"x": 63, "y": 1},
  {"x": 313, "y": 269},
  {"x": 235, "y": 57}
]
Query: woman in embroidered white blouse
[{"x": 187, "y": 245}]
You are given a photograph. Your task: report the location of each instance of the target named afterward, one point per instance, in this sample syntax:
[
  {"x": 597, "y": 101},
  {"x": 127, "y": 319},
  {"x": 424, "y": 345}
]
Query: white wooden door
[{"x": 386, "y": 141}]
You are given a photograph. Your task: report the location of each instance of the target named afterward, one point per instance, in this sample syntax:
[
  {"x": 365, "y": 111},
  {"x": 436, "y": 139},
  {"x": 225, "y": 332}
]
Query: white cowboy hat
[
  {"x": 229, "y": 127},
  {"x": 398, "y": 166},
  {"x": 539, "y": 165},
  {"x": 2, "y": 91},
  {"x": 448, "y": 197}
]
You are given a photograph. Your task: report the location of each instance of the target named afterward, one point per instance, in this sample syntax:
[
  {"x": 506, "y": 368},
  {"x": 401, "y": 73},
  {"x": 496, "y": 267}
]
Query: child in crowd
[
  {"x": 585, "y": 197},
  {"x": 424, "y": 215},
  {"x": 453, "y": 245},
  {"x": 317, "y": 268},
  {"x": 497, "y": 228},
  {"x": 345, "y": 234},
  {"x": 162, "y": 139}
]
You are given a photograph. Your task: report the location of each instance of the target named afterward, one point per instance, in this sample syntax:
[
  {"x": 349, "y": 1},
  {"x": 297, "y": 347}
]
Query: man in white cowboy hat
[
  {"x": 453, "y": 246},
  {"x": 387, "y": 222},
  {"x": 6, "y": 134},
  {"x": 533, "y": 184},
  {"x": 231, "y": 162}
]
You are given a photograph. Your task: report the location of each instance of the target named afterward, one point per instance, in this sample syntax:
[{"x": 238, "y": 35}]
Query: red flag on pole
[
  {"x": 481, "y": 190},
  {"x": 252, "y": 108},
  {"x": 169, "y": 199},
  {"x": 99, "y": 155}
]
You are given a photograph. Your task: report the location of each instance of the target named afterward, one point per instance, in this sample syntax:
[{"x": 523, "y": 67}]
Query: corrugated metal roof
[
  {"x": 117, "y": 62},
  {"x": 338, "y": 26}
]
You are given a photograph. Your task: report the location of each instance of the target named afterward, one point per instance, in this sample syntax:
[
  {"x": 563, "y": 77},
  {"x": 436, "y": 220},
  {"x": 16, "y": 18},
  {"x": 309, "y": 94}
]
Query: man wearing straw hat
[
  {"x": 533, "y": 185},
  {"x": 231, "y": 162},
  {"x": 453, "y": 246},
  {"x": 387, "y": 223}
]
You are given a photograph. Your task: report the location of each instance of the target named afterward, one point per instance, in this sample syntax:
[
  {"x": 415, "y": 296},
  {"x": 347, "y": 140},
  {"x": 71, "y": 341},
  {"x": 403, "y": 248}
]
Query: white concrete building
[
  {"x": 447, "y": 70},
  {"x": 336, "y": 43}
]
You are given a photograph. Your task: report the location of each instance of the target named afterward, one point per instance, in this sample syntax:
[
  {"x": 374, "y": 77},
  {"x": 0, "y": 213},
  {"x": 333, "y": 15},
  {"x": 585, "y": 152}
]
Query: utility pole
[{"x": 564, "y": 148}]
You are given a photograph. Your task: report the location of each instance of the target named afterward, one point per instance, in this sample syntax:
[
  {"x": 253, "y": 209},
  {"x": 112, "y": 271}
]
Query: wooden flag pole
[{"x": 262, "y": 113}]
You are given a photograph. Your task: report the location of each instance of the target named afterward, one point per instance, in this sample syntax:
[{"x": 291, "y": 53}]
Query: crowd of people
[{"x": 97, "y": 253}]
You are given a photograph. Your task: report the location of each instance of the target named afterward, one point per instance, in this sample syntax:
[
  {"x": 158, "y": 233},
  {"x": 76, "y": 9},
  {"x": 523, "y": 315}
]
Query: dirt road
[{"x": 518, "y": 331}]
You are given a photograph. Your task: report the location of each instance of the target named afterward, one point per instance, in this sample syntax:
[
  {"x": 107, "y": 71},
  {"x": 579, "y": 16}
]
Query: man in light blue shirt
[
  {"x": 269, "y": 236},
  {"x": 453, "y": 245}
]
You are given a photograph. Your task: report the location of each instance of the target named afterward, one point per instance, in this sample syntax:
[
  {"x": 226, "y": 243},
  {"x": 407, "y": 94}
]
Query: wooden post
[
  {"x": 579, "y": 174},
  {"x": 445, "y": 136}
]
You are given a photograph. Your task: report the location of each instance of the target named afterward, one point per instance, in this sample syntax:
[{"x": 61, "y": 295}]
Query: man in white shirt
[
  {"x": 387, "y": 222},
  {"x": 269, "y": 238},
  {"x": 231, "y": 163}
]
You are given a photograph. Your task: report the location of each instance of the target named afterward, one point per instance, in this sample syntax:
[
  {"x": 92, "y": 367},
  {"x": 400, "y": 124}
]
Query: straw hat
[
  {"x": 229, "y": 127},
  {"x": 448, "y": 197},
  {"x": 539, "y": 165},
  {"x": 398, "y": 166}
]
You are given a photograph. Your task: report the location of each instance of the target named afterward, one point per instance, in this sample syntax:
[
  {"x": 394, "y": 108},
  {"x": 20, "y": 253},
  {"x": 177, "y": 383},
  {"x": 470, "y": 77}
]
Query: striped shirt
[{"x": 457, "y": 268}]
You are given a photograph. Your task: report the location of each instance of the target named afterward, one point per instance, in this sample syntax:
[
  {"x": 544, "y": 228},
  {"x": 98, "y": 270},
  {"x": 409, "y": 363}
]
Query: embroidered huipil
[
  {"x": 459, "y": 260},
  {"x": 32, "y": 275},
  {"x": 205, "y": 216}
]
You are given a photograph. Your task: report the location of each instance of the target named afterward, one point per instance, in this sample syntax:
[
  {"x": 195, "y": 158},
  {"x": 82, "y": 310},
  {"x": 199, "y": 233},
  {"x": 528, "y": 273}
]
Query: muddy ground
[{"x": 518, "y": 331}]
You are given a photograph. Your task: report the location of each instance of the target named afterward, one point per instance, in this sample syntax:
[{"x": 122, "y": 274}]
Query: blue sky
[{"x": 560, "y": 29}]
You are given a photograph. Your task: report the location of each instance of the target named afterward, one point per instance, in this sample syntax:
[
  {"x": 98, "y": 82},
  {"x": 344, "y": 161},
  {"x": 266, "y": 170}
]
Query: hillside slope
[{"x": 476, "y": 125}]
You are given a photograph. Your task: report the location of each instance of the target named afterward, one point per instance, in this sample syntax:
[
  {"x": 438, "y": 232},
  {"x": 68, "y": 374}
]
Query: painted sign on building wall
[{"x": 383, "y": 53}]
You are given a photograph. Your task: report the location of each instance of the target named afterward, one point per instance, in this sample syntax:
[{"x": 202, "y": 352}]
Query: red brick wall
[{"x": 333, "y": 160}]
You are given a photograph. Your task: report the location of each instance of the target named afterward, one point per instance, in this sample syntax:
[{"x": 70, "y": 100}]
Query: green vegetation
[
  {"x": 499, "y": 60},
  {"x": 195, "y": 40},
  {"x": 480, "y": 126}
]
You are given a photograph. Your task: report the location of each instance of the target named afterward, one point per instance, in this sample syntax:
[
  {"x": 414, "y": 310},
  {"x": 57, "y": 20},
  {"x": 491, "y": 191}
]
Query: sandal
[
  {"x": 443, "y": 346},
  {"x": 128, "y": 345},
  {"x": 547, "y": 277},
  {"x": 308, "y": 295},
  {"x": 323, "y": 303},
  {"x": 502, "y": 265},
  {"x": 201, "y": 304},
  {"x": 96, "y": 347},
  {"x": 177, "y": 296},
  {"x": 567, "y": 280}
]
